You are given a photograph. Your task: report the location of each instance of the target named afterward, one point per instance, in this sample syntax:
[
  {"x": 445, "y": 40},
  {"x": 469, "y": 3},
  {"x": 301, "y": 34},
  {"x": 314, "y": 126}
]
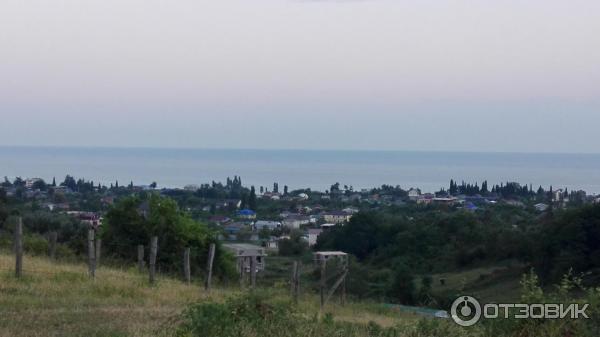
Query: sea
[{"x": 314, "y": 169}]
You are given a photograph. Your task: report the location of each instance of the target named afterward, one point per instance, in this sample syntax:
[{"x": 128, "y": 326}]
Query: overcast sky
[{"x": 382, "y": 74}]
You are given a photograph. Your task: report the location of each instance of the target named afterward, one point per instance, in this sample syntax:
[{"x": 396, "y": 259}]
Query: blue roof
[
  {"x": 470, "y": 206},
  {"x": 246, "y": 212}
]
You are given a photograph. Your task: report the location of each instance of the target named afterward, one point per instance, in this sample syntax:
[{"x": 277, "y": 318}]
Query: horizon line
[{"x": 113, "y": 147}]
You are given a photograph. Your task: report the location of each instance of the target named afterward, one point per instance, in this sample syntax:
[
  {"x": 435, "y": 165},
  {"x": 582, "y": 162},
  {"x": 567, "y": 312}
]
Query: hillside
[{"x": 58, "y": 299}]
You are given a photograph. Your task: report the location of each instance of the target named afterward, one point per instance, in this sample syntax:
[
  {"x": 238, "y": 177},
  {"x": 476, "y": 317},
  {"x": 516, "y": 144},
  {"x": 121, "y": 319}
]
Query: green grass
[
  {"x": 59, "y": 299},
  {"x": 497, "y": 283}
]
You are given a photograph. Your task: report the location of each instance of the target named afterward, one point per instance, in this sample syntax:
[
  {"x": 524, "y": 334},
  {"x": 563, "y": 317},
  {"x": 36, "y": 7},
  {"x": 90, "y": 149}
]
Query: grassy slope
[
  {"x": 496, "y": 283},
  {"x": 56, "y": 299}
]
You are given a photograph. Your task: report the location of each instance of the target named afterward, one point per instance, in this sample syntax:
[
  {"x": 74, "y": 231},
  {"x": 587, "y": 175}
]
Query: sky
[{"x": 443, "y": 75}]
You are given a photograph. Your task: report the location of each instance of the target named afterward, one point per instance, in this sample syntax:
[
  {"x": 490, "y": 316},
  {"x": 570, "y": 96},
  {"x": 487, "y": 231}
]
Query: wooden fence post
[
  {"x": 140, "y": 258},
  {"x": 295, "y": 281},
  {"x": 98, "y": 251},
  {"x": 343, "y": 292},
  {"x": 91, "y": 254},
  {"x": 153, "y": 251},
  {"x": 253, "y": 272},
  {"x": 186, "y": 266},
  {"x": 211, "y": 257},
  {"x": 322, "y": 282},
  {"x": 53, "y": 237},
  {"x": 242, "y": 264},
  {"x": 19, "y": 248}
]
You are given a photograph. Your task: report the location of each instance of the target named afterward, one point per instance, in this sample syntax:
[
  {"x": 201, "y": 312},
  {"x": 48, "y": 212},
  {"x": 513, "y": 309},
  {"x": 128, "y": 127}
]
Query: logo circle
[{"x": 465, "y": 311}]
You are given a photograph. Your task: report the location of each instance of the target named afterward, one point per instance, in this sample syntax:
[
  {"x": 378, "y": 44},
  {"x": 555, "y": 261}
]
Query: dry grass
[{"x": 59, "y": 299}]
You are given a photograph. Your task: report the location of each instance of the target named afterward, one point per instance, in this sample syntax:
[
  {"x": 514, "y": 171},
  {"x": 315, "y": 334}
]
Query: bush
[
  {"x": 252, "y": 315},
  {"x": 35, "y": 244}
]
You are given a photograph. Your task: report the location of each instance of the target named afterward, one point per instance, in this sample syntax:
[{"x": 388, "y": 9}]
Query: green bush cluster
[
  {"x": 253, "y": 315},
  {"x": 259, "y": 314}
]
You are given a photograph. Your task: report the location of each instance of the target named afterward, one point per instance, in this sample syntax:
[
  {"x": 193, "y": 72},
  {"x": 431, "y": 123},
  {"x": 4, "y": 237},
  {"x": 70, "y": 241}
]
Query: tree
[
  {"x": 127, "y": 226},
  {"x": 252, "y": 198},
  {"x": 285, "y": 190},
  {"x": 244, "y": 234},
  {"x": 6, "y": 182},
  {"x": 70, "y": 183},
  {"x": 264, "y": 233},
  {"x": 19, "y": 182},
  {"x": 402, "y": 288},
  {"x": 295, "y": 245},
  {"x": 39, "y": 185}
]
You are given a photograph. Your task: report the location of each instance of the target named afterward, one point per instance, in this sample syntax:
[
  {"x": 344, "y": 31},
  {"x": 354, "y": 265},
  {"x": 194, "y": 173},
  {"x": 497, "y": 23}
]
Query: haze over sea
[{"x": 315, "y": 169}]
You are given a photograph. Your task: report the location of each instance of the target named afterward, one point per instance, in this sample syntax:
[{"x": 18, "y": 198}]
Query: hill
[{"x": 59, "y": 299}]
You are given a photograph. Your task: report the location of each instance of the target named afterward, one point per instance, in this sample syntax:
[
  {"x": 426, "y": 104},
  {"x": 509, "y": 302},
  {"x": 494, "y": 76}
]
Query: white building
[
  {"x": 295, "y": 221},
  {"x": 313, "y": 234},
  {"x": 414, "y": 193},
  {"x": 336, "y": 217},
  {"x": 30, "y": 181},
  {"x": 260, "y": 224}
]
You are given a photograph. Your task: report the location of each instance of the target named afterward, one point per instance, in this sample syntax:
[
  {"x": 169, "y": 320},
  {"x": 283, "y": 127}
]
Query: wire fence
[
  {"x": 106, "y": 260},
  {"x": 102, "y": 262}
]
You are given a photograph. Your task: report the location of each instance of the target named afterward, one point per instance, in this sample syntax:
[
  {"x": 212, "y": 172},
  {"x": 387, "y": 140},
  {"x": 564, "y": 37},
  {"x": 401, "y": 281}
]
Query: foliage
[
  {"x": 570, "y": 240},
  {"x": 254, "y": 315},
  {"x": 133, "y": 221},
  {"x": 293, "y": 246}
]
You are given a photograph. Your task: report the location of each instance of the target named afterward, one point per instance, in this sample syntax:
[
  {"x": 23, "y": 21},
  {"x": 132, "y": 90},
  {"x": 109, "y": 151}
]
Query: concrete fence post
[
  {"x": 153, "y": 252},
  {"x": 19, "y": 248}
]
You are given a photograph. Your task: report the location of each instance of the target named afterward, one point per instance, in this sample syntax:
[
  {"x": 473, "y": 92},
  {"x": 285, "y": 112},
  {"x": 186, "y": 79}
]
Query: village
[{"x": 266, "y": 219}]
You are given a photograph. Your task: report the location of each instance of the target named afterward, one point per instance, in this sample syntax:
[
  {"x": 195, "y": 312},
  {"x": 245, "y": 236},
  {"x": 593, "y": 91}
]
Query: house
[
  {"x": 515, "y": 203},
  {"x": 233, "y": 203},
  {"x": 271, "y": 195},
  {"x": 273, "y": 243},
  {"x": 336, "y": 217},
  {"x": 303, "y": 209},
  {"x": 540, "y": 207},
  {"x": 414, "y": 193},
  {"x": 295, "y": 221},
  {"x": 91, "y": 219},
  {"x": 31, "y": 181},
  {"x": 285, "y": 214},
  {"x": 219, "y": 220},
  {"x": 230, "y": 204},
  {"x": 557, "y": 195},
  {"x": 62, "y": 190},
  {"x": 425, "y": 199},
  {"x": 244, "y": 252},
  {"x": 445, "y": 200},
  {"x": 246, "y": 214},
  {"x": 260, "y": 224},
  {"x": 350, "y": 210},
  {"x": 303, "y": 196},
  {"x": 313, "y": 234}
]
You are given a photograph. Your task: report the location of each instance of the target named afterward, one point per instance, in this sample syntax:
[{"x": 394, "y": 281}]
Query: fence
[
  {"x": 94, "y": 255},
  {"x": 147, "y": 263}
]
